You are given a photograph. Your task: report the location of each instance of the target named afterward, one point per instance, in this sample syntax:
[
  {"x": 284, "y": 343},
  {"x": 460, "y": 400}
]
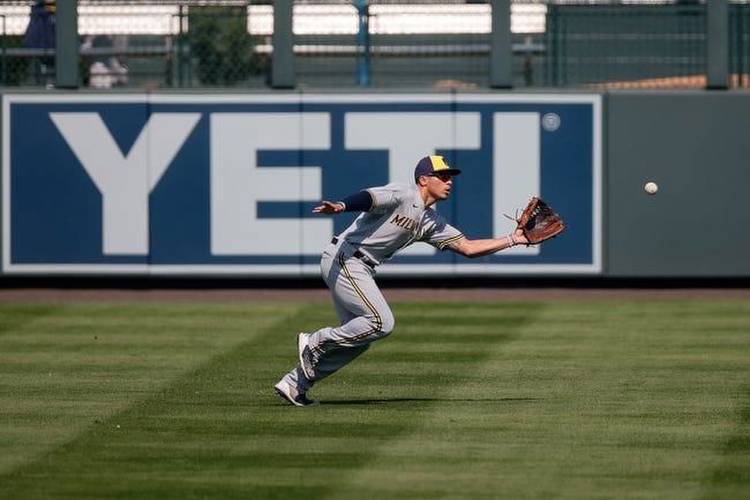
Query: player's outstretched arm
[{"x": 479, "y": 248}]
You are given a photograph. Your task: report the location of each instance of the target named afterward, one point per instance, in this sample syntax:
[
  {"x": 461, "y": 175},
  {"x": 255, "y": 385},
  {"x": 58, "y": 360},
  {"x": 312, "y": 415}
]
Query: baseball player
[{"x": 393, "y": 217}]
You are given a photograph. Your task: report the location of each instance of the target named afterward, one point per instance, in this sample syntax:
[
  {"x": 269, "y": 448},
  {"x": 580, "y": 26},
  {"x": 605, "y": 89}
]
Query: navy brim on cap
[{"x": 451, "y": 171}]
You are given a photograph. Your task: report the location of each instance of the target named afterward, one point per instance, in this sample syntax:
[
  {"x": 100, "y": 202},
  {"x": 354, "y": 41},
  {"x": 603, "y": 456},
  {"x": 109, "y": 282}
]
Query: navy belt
[{"x": 357, "y": 255}]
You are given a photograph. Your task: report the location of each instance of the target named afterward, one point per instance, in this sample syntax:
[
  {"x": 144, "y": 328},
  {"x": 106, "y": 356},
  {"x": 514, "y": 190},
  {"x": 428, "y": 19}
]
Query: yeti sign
[{"x": 189, "y": 184}]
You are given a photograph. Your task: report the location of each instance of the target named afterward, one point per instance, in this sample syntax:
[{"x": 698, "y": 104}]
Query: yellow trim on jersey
[
  {"x": 438, "y": 163},
  {"x": 378, "y": 320},
  {"x": 442, "y": 244}
]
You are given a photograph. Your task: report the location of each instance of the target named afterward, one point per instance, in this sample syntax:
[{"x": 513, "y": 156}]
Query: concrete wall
[{"x": 695, "y": 147}]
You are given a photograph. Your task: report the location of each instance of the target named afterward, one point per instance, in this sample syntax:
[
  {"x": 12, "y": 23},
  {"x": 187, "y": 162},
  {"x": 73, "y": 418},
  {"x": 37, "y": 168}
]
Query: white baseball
[{"x": 651, "y": 188}]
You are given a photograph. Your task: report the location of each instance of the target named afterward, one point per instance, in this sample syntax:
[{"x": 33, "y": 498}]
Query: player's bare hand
[
  {"x": 327, "y": 207},
  {"x": 519, "y": 237}
]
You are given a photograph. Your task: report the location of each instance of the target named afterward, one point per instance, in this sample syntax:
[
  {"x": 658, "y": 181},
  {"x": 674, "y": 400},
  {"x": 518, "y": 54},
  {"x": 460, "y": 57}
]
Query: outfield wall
[
  {"x": 696, "y": 146},
  {"x": 222, "y": 184}
]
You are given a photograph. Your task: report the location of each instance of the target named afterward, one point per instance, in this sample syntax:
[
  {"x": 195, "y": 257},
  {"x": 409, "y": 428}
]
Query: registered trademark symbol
[{"x": 551, "y": 122}]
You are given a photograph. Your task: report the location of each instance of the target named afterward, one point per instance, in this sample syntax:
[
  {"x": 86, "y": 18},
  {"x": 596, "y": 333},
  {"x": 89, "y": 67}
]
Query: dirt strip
[{"x": 427, "y": 295}]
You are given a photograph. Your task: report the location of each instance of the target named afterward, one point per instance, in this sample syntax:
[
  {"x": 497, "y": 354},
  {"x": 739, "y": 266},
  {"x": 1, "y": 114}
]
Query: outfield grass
[{"x": 599, "y": 399}]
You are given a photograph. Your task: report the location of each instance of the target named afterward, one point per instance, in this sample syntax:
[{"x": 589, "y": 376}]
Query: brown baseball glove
[{"x": 539, "y": 222}]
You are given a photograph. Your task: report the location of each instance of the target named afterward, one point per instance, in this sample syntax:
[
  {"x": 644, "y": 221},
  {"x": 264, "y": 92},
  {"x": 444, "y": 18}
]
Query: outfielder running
[{"x": 393, "y": 217}]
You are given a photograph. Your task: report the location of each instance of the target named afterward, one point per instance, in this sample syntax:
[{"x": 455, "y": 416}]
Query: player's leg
[
  {"x": 368, "y": 316},
  {"x": 340, "y": 356},
  {"x": 365, "y": 316},
  {"x": 295, "y": 382}
]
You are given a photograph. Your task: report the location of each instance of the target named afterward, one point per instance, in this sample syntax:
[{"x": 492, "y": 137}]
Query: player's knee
[
  {"x": 381, "y": 323},
  {"x": 387, "y": 323}
]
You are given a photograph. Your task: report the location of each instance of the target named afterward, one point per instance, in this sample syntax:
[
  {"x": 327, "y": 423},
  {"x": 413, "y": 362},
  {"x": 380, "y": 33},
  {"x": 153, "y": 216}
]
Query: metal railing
[
  {"x": 739, "y": 45},
  {"x": 404, "y": 43}
]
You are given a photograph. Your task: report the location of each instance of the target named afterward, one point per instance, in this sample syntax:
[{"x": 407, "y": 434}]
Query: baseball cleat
[
  {"x": 305, "y": 355},
  {"x": 292, "y": 395}
]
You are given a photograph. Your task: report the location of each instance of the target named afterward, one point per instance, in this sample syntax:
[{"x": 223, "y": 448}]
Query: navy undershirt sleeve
[{"x": 359, "y": 202}]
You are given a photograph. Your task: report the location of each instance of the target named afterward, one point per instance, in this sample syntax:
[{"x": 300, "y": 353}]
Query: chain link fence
[
  {"x": 144, "y": 44},
  {"x": 377, "y": 43},
  {"x": 626, "y": 46}
]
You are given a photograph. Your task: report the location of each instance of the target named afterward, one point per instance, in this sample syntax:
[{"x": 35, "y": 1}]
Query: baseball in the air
[{"x": 651, "y": 188}]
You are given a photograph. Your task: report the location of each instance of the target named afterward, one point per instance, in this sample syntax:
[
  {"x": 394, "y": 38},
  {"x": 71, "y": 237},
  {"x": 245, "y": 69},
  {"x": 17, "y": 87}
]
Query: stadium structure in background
[{"x": 433, "y": 44}]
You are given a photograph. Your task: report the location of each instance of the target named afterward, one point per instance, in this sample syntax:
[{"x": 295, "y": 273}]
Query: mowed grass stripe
[
  {"x": 731, "y": 477},
  {"x": 611, "y": 399},
  {"x": 390, "y": 393},
  {"x": 592, "y": 401},
  {"x": 66, "y": 369},
  {"x": 436, "y": 456},
  {"x": 176, "y": 442},
  {"x": 13, "y": 317},
  {"x": 220, "y": 432}
]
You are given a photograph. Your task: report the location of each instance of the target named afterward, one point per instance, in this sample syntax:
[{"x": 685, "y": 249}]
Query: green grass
[{"x": 601, "y": 399}]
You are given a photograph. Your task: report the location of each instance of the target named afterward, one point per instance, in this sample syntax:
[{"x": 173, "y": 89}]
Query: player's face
[{"x": 439, "y": 185}]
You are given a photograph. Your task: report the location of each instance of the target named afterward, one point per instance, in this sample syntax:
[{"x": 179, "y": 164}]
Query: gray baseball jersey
[{"x": 397, "y": 219}]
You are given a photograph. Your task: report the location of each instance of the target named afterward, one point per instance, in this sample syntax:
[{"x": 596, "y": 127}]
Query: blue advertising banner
[{"x": 225, "y": 184}]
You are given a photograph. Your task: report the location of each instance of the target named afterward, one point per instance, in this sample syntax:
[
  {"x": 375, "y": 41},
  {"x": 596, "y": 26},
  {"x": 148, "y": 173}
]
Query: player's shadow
[{"x": 381, "y": 401}]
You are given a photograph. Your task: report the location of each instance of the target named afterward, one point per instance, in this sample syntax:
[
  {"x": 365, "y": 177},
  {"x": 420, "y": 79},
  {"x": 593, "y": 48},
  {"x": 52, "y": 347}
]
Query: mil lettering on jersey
[{"x": 404, "y": 222}]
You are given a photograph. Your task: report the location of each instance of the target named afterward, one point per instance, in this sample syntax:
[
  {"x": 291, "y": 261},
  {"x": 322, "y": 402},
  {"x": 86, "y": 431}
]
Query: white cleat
[{"x": 290, "y": 394}]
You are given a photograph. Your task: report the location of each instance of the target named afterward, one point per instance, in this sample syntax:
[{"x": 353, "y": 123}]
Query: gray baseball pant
[{"x": 362, "y": 310}]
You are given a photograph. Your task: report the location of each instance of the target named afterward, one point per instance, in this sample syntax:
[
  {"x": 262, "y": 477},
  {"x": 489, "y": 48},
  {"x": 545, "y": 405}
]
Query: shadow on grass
[
  {"x": 14, "y": 317},
  {"x": 732, "y": 476},
  {"x": 422, "y": 400}
]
